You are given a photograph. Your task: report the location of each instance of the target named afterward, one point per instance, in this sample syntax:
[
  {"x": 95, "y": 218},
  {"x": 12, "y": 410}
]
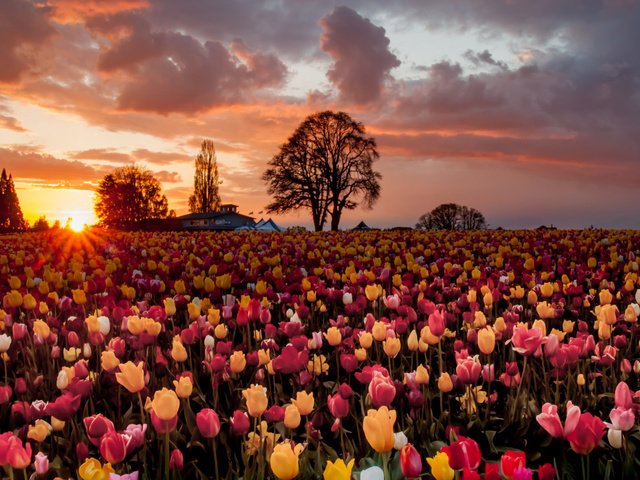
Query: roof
[
  {"x": 267, "y": 225},
  {"x": 209, "y": 215},
  {"x": 362, "y": 226}
]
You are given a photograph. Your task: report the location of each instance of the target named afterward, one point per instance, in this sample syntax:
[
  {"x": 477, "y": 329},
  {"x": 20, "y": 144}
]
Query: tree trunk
[{"x": 335, "y": 220}]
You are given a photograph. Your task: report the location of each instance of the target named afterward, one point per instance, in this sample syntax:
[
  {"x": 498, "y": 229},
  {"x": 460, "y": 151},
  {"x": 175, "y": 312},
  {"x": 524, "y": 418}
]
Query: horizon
[{"x": 524, "y": 111}]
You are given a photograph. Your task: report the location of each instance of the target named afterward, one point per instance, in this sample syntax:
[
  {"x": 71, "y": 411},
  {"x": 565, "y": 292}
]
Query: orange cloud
[{"x": 76, "y": 11}]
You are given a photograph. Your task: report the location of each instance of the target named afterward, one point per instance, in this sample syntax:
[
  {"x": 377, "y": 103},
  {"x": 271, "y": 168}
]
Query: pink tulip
[
  {"x": 208, "y": 423},
  {"x": 623, "y": 396},
  {"x": 527, "y": 342},
  {"x": 437, "y": 323},
  {"x": 622, "y": 419},
  {"x": 468, "y": 370},
  {"x": 381, "y": 390},
  {"x": 41, "y": 463},
  {"x": 113, "y": 447},
  {"x": 550, "y": 420}
]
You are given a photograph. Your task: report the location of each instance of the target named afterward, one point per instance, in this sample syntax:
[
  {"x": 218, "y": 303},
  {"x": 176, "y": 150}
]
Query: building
[
  {"x": 227, "y": 218},
  {"x": 267, "y": 226}
]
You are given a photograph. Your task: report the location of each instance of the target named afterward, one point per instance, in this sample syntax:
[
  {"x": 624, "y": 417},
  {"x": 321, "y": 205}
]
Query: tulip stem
[
  {"x": 166, "y": 455},
  {"x": 142, "y": 422},
  {"x": 215, "y": 457},
  {"x": 385, "y": 465}
]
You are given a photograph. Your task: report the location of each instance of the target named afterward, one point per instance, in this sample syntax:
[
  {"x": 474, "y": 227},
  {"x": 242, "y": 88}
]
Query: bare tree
[
  {"x": 451, "y": 216},
  {"x": 325, "y": 166},
  {"x": 205, "y": 197}
]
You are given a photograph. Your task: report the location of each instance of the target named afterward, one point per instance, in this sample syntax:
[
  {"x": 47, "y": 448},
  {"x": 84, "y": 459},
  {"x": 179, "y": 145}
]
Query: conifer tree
[{"x": 11, "y": 218}]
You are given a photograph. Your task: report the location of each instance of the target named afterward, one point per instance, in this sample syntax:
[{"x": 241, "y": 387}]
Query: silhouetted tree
[
  {"x": 451, "y": 216},
  {"x": 41, "y": 224},
  {"x": 205, "y": 196},
  {"x": 127, "y": 196},
  {"x": 11, "y": 218},
  {"x": 325, "y": 166}
]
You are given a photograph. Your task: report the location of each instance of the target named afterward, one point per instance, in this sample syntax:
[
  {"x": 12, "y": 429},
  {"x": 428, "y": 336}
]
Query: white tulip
[
  {"x": 347, "y": 298},
  {"x": 615, "y": 438},
  {"x": 209, "y": 341},
  {"x": 5, "y": 342},
  {"x": 104, "y": 325},
  {"x": 399, "y": 440},
  {"x": 372, "y": 473}
]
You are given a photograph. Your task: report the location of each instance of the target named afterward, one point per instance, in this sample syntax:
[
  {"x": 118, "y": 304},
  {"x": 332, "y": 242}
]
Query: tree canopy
[
  {"x": 205, "y": 197},
  {"x": 128, "y": 196},
  {"x": 11, "y": 218},
  {"x": 451, "y": 216},
  {"x": 326, "y": 166}
]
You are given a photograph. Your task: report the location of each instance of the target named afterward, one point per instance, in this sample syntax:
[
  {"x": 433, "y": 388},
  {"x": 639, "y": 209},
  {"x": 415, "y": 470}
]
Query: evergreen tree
[
  {"x": 206, "y": 197},
  {"x": 11, "y": 218}
]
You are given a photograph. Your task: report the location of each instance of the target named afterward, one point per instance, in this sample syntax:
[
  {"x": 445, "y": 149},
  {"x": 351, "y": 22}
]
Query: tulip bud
[
  {"x": 445, "y": 384},
  {"x": 580, "y": 380},
  {"x": 410, "y": 461},
  {"x": 176, "y": 461}
]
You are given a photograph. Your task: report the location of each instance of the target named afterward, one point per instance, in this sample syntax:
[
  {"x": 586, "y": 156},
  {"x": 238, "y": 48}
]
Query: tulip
[
  {"x": 445, "y": 384},
  {"x": 239, "y": 423},
  {"x": 291, "y": 417},
  {"x": 436, "y": 323},
  {"x": 546, "y": 472},
  {"x": 256, "y": 399},
  {"x": 41, "y": 329},
  {"x": 284, "y": 460},
  {"x": 92, "y": 469},
  {"x": 365, "y": 339},
  {"x": 208, "y": 423},
  {"x": 378, "y": 428},
  {"x": 338, "y": 470},
  {"x": 165, "y": 404},
  {"x": 371, "y": 292},
  {"x": 486, "y": 340},
  {"x": 40, "y": 431},
  {"x": 422, "y": 375},
  {"x": 131, "y": 376},
  {"x": 526, "y": 342},
  {"x": 468, "y": 370},
  {"x": 113, "y": 447},
  {"x": 41, "y": 463},
  {"x": 465, "y": 453},
  {"x": 587, "y": 434},
  {"x": 372, "y": 473},
  {"x": 178, "y": 352},
  {"x": 304, "y": 402},
  {"x": 333, "y": 336},
  {"x": 510, "y": 461},
  {"x": 108, "y": 360},
  {"x": 623, "y": 396},
  {"x": 237, "y": 361},
  {"x": 615, "y": 438},
  {"x": 381, "y": 390},
  {"x": 183, "y": 386},
  {"x": 410, "y": 461},
  {"x": 391, "y": 347},
  {"x": 176, "y": 460},
  {"x": 5, "y": 343},
  {"x": 440, "y": 469}
]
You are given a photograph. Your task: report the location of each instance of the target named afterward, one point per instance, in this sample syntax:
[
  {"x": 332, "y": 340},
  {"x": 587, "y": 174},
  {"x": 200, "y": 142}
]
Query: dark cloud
[
  {"x": 169, "y": 71},
  {"x": 23, "y": 28},
  {"x": 360, "y": 51}
]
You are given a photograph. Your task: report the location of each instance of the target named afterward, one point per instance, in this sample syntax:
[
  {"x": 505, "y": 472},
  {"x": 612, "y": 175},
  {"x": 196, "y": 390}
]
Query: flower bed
[{"x": 491, "y": 354}]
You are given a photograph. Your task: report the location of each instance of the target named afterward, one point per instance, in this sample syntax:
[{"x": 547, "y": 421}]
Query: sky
[{"x": 527, "y": 111}]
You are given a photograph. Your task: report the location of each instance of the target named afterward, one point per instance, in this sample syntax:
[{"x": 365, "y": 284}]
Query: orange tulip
[
  {"x": 131, "y": 376},
  {"x": 378, "y": 428}
]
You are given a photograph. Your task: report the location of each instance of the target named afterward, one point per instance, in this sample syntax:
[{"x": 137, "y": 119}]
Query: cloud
[
  {"x": 160, "y": 158},
  {"x": 27, "y": 163},
  {"x": 23, "y": 28},
  {"x": 360, "y": 52},
  {"x": 72, "y": 11},
  {"x": 106, "y": 154},
  {"x": 167, "y": 177},
  {"x": 168, "y": 71}
]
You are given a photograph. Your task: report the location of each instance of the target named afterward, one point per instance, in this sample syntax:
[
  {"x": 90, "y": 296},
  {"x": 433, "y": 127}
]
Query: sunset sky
[{"x": 526, "y": 110}]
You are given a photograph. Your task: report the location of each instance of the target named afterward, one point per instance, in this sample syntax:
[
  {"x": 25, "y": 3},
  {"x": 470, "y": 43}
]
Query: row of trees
[{"x": 326, "y": 166}]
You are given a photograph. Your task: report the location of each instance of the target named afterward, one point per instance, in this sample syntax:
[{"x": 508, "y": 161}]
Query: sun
[{"x": 77, "y": 225}]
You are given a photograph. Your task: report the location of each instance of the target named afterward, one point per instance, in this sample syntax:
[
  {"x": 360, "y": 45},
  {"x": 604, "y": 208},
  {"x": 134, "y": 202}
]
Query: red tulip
[
  {"x": 5, "y": 394},
  {"x": 381, "y": 390},
  {"x": 470, "y": 474},
  {"x": 546, "y": 472},
  {"x": 587, "y": 434},
  {"x": 512, "y": 461},
  {"x": 491, "y": 471},
  {"x": 468, "y": 370},
  {"x": 176, "y": 461},
  {"x": 64, "y": 407},
  {"x": 113, "y": 447},
  {"x": 163, "y": 426},
  {"x": 13, "y": 453},
  {"x": 465, "y": 453},
  {"x": 239, "y": 423},
  {"x": 410, "y": 461},
  {"x": 96, "y": 426},
  {"x": 436, "y": 323},
  {"x": 208, "y": 423}
]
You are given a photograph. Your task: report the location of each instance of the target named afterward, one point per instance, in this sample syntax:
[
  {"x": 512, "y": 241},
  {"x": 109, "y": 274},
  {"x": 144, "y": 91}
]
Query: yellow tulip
[
  {"x": 365, "y": 339},
  {"x": 486, "y": 340},
  {"x": 422, "y": 375},
  {"x": 333, "y": 336},
  {"x": 169, "y": 306},
  {"x": 256, "y": 399},
  {"x": 165, "y": 404},
  {"x": 445, "y": 384},
  {"x": 39, "y": 431},
  {"x": 131, "y": 376},
  {"x": 372, "y": 293},
  {"x": 412, "y": 341},
  {"x": 292, "y": 417},
  {"x": 92, "y": 469},
  {"x": 178, "y": 352},
  {"x": 378, "y": 428},
  {"x": 304, "y": 402},
  {"x": 391, "y": 347},
  {"x": 284, "y": 460},
  {"x": 109, "y": 361},
  {"x": 79, "y": 296},
  {"x": 338, "y": 470},
  {"x": 379, "y": 331},
  {"x": 237, "y": 361},
  {"x": 41, "y": 328},
  {"x": 440, "y": 469},
  {"x": 29, "y": 302},
  {"x": 183, "y": 387}
]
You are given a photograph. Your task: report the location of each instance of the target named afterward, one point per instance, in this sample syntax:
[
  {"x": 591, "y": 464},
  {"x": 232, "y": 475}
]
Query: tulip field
[{"x": 336, "y": 355}]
